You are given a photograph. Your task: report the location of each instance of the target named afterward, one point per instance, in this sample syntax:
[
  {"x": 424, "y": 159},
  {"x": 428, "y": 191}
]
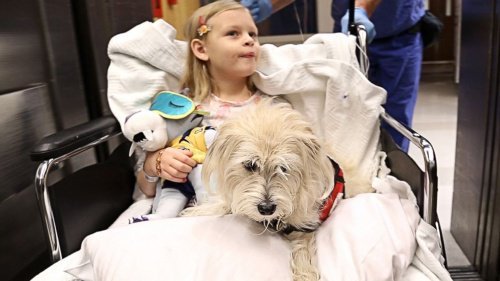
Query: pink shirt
[{"x": 220, "y": 109}]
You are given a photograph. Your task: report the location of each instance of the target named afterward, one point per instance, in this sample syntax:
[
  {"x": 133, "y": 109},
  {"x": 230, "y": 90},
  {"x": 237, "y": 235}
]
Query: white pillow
[
  {"x": 368, "y": 237},
  {"x": 197, "y": 248}
]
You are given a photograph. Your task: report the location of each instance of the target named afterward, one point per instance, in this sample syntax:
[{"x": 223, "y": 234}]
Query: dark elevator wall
[
  {"x": 476, "y": 199},
  {"x": 53, "y": 62}
]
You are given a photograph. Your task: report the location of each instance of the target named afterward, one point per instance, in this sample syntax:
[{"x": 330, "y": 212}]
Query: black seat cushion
[
  {"x": 90, "y": 199},
  {"x": 403, "y": 167}
]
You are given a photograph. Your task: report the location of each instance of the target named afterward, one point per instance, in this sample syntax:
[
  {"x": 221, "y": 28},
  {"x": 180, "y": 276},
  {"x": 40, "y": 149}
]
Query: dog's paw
[
  {"x": 205, "y": 210},
  {"x": 304, "y": 271},
  {"x": 189, "y": 212},
  {"x": 306, "y": 276},
  {"x": 303, "y": 256}
]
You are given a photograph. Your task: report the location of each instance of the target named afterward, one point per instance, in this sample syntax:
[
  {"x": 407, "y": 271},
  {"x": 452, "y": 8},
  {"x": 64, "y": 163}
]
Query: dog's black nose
[{"x": 266, "y": 208}]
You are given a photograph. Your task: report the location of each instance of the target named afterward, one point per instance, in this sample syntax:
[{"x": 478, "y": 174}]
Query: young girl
[{"x": 222, "y": 55}]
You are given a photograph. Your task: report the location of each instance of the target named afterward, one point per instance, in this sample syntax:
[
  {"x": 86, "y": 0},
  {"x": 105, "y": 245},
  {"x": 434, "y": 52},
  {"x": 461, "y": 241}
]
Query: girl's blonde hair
[{"x": 196, "y": 75}]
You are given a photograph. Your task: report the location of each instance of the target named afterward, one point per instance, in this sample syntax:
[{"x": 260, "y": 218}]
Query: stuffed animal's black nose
[
  {"x": 266, "y": 208},
  {"x": 139, "y": 137}
]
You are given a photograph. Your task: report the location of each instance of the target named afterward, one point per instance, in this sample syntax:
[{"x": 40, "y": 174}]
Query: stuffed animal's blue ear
[{"x": 172, "y": 105}]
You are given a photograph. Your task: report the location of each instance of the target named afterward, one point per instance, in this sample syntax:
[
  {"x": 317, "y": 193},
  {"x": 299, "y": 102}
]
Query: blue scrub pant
[{"x": 395, "y": 65}]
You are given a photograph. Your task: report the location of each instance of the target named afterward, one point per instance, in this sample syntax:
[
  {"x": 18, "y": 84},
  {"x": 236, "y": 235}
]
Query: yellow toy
[{"x": 195, "y": 140}]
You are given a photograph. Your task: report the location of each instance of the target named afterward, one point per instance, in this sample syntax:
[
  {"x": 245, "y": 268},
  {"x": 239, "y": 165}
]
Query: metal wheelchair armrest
[
  {"x": 56, "y": 148},
  {"x": 71, "y": 139},
  {"x": 430, "y": 179}
]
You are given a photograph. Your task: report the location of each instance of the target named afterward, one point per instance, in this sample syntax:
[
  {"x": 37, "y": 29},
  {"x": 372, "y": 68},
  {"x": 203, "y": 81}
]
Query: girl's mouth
[{"x": 248, "y": 55}]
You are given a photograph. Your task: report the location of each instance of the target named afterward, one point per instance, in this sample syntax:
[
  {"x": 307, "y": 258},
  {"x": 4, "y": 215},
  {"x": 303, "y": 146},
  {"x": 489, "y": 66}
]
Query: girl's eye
[
  {"x": 232, "y": 33},
  {"x": 253, "y": 34}
]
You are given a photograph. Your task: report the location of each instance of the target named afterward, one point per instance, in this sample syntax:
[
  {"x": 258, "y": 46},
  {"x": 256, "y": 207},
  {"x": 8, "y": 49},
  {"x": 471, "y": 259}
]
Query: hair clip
[{"x": 203, "y": 27}]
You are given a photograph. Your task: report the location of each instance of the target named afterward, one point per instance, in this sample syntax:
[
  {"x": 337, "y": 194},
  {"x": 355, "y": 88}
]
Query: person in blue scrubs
[{"x": 395, "y": 51}]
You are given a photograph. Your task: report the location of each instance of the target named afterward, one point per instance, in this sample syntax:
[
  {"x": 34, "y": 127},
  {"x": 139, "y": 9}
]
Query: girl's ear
[{"x": 199, "y": 50}]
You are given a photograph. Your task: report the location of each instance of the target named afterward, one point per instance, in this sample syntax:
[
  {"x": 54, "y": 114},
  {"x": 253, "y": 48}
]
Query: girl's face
[{"x": 232, "y": 47}]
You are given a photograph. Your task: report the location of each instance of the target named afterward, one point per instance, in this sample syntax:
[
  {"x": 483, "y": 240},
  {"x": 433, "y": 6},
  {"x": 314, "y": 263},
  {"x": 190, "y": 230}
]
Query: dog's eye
[
  {"x": 283, "y": 169},
  {"x": 250, "y": 166}
]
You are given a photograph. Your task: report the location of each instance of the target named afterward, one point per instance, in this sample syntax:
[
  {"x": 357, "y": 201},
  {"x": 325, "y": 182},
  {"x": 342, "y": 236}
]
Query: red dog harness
[
  {"x": 329, "y": 203},
  {"x": 338, "y": 188}
]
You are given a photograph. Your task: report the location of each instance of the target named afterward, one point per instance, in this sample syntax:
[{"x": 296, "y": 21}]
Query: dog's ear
[
  {"x": 218, "y": 157},
  {"x": 312, "y": 145},
  {"x": 324, "y": 171},
  {"x": 210, "y": 164}
]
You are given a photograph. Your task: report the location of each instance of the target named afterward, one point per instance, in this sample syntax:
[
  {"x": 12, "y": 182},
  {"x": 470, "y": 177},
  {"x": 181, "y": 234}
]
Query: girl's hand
[{"x": 170, "y": 163}]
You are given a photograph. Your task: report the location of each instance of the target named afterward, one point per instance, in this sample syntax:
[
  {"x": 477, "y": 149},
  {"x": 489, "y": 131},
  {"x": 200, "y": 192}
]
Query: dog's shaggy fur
[{"x": 266, "y": 164}]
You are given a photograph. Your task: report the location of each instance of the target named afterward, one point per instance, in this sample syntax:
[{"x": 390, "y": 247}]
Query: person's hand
[
  {"x": 175, "y": 164},
  {"x": 360, "y": 17},
  {"x": 260, "y": 9}
]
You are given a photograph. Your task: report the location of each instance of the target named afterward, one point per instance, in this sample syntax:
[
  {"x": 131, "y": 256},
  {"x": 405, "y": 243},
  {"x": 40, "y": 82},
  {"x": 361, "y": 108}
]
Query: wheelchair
[{"x": 90, "y": 199}]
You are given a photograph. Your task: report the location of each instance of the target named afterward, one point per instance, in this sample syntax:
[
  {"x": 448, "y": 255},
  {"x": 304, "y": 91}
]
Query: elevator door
[{"x": 475, "y": 220}]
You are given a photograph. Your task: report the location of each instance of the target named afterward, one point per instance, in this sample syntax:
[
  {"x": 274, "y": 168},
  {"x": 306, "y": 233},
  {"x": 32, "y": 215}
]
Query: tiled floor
[{"x": 436, "y": 118}]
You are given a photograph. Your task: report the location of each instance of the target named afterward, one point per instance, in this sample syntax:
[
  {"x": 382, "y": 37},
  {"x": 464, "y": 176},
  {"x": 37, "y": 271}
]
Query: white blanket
[
  {"x": 320, "y": 78},
  {"x": 322, "y": 81}
]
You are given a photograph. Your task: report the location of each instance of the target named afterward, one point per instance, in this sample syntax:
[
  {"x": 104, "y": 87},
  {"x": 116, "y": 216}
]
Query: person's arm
[
  {"x": 169, "y": 163},
  {"x": 368, "y": 5},
  {"x": 362, "y": 11},
  {"x": 148, "y": 187},
  {"x": 263, "y": 9},
  {"x": 280, "y": 4},
  {"x": 173, "y": 164}
]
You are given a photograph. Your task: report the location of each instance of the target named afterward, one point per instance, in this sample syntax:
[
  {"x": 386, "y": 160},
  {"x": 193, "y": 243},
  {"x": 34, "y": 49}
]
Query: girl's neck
[{"x": 233, "y": 91}]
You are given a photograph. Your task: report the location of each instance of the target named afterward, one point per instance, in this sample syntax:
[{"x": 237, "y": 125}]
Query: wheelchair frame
[
  {"x": 65, "y": 144},
  {"x": 430, "y": 166}
]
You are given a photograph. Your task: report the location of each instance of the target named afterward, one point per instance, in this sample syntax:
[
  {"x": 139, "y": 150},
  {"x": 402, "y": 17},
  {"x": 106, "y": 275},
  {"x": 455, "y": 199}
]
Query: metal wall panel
[
  {"x": 67, "y": 89},
  {"x": 44, "y": 88},
  {"x": 472, "y": 123},
  {"x": 96, "y": 22},
  {"x": 21, "y": 45},
  {"x": 23, "y": 242},
  {"x": 40, "y": 92},
  {"x": 26, "y": 118}
]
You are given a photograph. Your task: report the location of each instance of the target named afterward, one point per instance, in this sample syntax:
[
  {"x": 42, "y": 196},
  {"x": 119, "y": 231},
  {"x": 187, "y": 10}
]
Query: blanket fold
[{"x": 320, "y": 78}]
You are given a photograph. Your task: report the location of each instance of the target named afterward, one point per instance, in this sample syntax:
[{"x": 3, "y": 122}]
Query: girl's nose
[{"x": 249, "y": 40}]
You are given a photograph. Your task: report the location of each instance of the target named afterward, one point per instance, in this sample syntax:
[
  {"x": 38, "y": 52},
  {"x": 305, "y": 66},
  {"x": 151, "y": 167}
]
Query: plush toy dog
[
  {"x": 170, "y": 115},
  {"x": 173, "y": 120}
]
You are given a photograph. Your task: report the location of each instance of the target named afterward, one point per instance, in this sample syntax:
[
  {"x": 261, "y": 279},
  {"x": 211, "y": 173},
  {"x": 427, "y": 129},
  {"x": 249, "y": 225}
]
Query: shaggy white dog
[{"x": 266, "y": 164}]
